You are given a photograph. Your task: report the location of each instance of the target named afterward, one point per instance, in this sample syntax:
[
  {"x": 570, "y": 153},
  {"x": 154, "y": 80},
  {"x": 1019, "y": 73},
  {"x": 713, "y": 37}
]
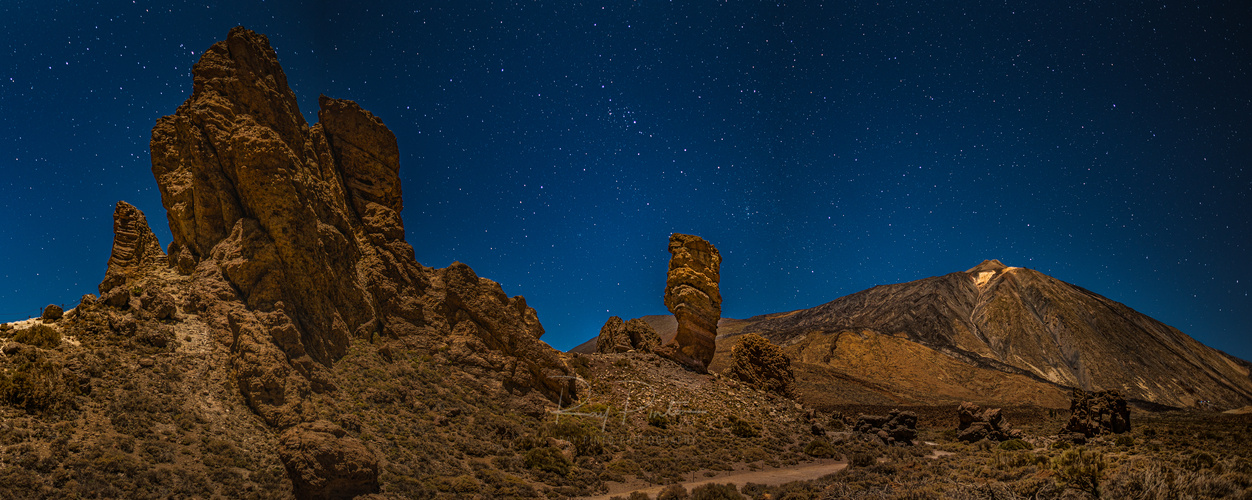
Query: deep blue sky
[{"x": 555, "y": 145}]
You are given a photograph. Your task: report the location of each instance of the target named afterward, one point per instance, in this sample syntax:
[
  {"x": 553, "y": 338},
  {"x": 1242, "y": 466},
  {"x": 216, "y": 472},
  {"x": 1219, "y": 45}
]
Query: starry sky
[{"x": 824, "y": 148}]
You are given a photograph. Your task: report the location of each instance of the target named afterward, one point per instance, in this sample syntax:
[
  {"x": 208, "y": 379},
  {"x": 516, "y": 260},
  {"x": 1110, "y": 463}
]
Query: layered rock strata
[
  {"x": 134, "y": 246},
  {"x": 691, "y": 294}
]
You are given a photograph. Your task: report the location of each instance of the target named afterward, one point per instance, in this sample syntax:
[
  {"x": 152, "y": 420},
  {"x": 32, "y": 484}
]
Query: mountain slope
[{"x": 1021, "y": 321}]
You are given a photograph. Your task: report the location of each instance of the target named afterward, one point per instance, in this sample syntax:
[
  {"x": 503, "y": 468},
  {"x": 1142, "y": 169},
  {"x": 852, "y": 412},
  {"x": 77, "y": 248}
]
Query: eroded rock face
[
  {"x": 691, "y": 294},
  {"x": 761, "y": 364},
  {"x": 975, "y": 424},
  {"x": 134, "y": 246},
  {"x": 293, "y": 238},
  {"x": 1097, "y": 412},
  {"x": 624, "y": 336},
  {"x": 324, "y": 462}
]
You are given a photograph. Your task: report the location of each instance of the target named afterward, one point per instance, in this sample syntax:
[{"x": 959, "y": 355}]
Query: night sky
[{"x": 554, "y": 145}]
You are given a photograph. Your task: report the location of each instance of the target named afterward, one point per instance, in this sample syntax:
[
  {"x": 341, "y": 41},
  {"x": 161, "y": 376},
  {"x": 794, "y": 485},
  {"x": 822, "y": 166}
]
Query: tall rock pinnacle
[
  {"x": 134, "y": 245},
  {"x": 691, "y": 293},
  {"x": 293, "y": 233}
]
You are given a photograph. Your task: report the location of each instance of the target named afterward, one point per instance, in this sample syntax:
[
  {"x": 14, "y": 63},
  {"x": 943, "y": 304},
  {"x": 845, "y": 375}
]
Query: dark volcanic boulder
[
  {"x": 623, "y": 336},
  {"x": 691, "y": 293},
  {"x": 52, "y": 312},
  {"x": 897, "y": 427},
  {"x": 761, "y": 364},
  {"x": 324, "y": 463},
  {"x": 1099, "y": 412},
  {"x": 975, "y": 424}
]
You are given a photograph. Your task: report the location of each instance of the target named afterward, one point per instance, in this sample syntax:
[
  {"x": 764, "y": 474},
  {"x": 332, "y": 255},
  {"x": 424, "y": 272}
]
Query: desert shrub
[
  {"x": 742, "y": 428},
  {"x": 547, "y": 459},
  {"x": 624, "y": 466},
  {"x": 42, "y": 336},
  {"x": 862, "y": 459},
  {"x": 584, "y": 435},
  {"x": 638, "y": 495},
  {"x": 1060, "y": 445},
  {"x": 820, "y": 448},
  {"x": 1015, "y": 444},
  {"x": 713, "y": 491},
  {"x": 673, "y": 492},
  {"x": 1124, "y": 440},
  {"x": 1080, "y": 469},
  {"x": 658, "y": 420},
  {"x": 38, "y": 385}
]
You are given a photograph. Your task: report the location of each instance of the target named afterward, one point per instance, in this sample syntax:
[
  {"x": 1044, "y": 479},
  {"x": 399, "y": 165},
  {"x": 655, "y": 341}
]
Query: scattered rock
[
  {"x": 52, "y": 312},
  {"x": 897, "y": 427},
  {"x": 692, "y": 295},
  {"x": 160, "y": 304},
  {"x": 976, "y": 424},
  {"x": 118, "y": 297},
  {"x": 633, "y": 335},
  {"x": 761, "y": 364},
  {"x": 88, "y": 300},
  {"x": 11, "y": 348},
  {"x": 324, "y": 462},
  {"x": 1098, "y": 412},
  {"x": 146, "y": 362}
]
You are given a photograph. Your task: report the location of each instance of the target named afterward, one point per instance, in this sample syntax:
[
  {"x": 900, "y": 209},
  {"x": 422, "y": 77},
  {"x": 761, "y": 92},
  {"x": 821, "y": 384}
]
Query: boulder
[
  {"x": 624, "y": 336},
  {"x": 897, "y": 427},
  {"x": 160, "y": 304},
  {"x": 52, "y": 312},
  {"x": 761, "y": 364},
  {"x": 1096, "y": 413},
  {"x": 692, "y": 295},
  {"x": 323, "y": 462},
  {"x": 974, "y": 424}
]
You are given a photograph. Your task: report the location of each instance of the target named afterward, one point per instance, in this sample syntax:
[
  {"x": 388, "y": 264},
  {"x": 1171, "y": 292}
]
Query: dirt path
[{"x": 772, "y": 477}]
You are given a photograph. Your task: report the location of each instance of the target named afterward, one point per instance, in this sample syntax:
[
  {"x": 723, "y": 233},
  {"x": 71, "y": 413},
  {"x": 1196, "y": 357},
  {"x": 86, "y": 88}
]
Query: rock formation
[
  {"x": 691, "y": 294},
  {"x": 897, "y": 427},
  {"x": 1095, "y": 413},
  {"x": 633, "y": 335},
  {"x": 134, "y": 247},
  {"x": 763, "y": 365},
  {"x": 293, "y": 238},
  {"x": 323, "y": 462},
  {"x": 52, "y": 312},
  {"x": 975, "y": 424}
]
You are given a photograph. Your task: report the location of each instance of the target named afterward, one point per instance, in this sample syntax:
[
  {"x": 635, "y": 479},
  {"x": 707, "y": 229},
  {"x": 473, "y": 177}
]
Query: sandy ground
[{"x": 772, "y": 477}]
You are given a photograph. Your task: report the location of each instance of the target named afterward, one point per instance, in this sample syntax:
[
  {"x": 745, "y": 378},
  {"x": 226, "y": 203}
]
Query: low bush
[
  {"x": 820, "y": 448},
  {"x": 1080, "y": 469},
  {"x": 1015, "y": 445},
  {"x": 714, "y": 491},
  {"x": 42, "y": 336},
  {"x": 548, "y": 459}
]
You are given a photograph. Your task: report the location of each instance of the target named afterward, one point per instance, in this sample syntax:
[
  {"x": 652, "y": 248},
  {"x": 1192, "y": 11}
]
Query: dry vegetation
[{"x": 103, "y": 405}]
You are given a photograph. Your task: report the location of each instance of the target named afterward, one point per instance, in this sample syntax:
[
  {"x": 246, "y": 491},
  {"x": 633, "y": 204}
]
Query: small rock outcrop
[
  {"x": 134, "y": 247},
  {"x": 761, "y": 364},
  {"x": 975, "y": 424},
  {"x": 691, "y": 294},
  {"x": 624, "y": 336},
  {"x": 52, "y": 312},
  {"x": 1097, "y": 412},
  {"x": 897, "y": 427},
  {"x": 323, "y": 462}
]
